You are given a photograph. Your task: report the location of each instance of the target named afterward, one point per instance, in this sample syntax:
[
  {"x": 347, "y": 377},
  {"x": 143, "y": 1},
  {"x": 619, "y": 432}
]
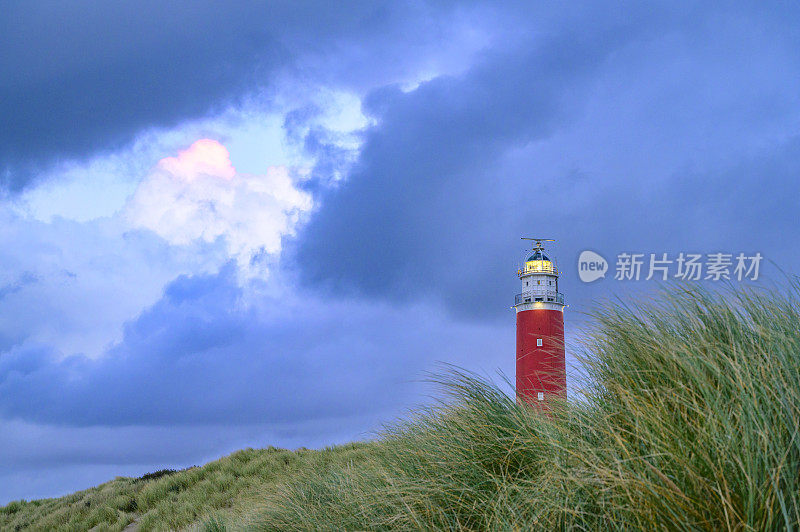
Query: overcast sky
[{"x": 250, "y": 224}]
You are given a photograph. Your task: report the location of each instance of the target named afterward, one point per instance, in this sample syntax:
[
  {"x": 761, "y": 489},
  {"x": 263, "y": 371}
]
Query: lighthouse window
[
  {"x": 526, "y": 283},
  {"x": 540, "y": 396},
  {"x": 538, "y": 282},
  {"x": 538, "y": 342}
]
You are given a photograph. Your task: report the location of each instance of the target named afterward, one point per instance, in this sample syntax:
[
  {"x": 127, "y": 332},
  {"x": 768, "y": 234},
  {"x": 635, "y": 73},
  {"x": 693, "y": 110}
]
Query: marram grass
[
  {"x": 688, "y": 419},
  {"x": 194, "y": 499}
]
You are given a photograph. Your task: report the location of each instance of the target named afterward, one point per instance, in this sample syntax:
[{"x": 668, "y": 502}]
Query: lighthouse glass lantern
[{"x": 541, "y": 363}]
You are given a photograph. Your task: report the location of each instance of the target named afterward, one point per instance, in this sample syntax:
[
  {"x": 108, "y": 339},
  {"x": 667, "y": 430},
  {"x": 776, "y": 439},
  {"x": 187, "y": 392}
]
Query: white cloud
[
  {"x": 71, "y": 269},
  {"x": 73, "y": 284},
  {"x": 199, "y": 196}
]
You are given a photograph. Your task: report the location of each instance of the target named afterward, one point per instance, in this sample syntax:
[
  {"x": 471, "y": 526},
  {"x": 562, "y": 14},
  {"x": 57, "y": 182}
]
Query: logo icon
[{"x": 591, "y": 266}]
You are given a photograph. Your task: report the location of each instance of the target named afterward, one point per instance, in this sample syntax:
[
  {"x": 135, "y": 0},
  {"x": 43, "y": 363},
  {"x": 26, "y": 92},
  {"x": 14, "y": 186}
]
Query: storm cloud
[
  {"x": 82, "y": 77},
  {"x": 210, "y": 352},
  {"x": 619, "y": 131}
]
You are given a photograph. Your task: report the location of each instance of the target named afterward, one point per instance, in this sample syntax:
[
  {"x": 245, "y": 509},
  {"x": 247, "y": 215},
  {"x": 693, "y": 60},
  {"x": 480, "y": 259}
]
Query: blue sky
[{"x": 251, "y": 224}]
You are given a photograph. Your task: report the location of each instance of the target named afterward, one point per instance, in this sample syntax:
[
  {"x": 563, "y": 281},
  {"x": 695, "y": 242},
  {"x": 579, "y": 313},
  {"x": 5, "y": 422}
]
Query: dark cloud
[
  {"x": 80, "y": 77},
  {"x": 214, "y": 367},
  {"x": 620, "y": 131},
  {"x": 204, "y": 355}
]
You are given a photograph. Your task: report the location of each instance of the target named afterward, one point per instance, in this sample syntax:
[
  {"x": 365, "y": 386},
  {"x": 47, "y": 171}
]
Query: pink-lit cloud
[
  {"x": 203, "y": 157},
  {"x": 199, "y": 197}
]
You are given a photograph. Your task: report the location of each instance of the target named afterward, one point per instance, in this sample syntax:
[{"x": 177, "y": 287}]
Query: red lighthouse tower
[{"x": 541, "y": 363}]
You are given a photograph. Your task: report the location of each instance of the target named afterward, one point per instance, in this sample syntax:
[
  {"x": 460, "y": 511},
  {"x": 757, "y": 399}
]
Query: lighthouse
[{"x": 541, "y": 363}]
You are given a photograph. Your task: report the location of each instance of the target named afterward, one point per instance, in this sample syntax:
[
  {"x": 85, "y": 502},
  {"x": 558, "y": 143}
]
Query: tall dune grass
[{"x": 689, "y": 421}]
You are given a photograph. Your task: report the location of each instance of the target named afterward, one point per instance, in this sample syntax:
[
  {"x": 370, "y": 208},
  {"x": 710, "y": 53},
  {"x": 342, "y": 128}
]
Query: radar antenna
[{"x": 538, "y": 241}]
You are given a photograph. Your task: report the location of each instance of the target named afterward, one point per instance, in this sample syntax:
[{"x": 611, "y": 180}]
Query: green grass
[
  {"x": 192, "y": 498},
  {"x": 690, "y": 421}
]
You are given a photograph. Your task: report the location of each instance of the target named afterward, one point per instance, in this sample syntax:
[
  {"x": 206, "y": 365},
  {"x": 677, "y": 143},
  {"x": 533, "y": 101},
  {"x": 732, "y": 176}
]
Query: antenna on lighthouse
[{"x": 538, "y": 241}]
